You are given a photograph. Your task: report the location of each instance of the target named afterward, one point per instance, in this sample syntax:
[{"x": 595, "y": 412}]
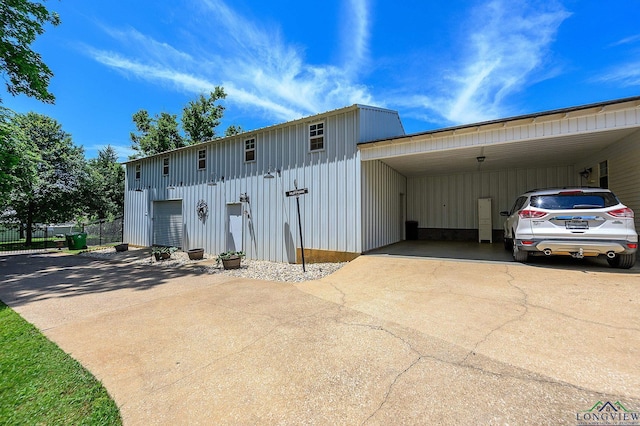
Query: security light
[
  {"x": 268, "y": 175},
  {"x": 585, "y": 173}
]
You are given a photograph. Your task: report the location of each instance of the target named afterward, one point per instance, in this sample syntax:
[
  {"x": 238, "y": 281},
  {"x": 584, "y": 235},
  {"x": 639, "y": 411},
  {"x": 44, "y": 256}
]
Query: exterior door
[{"x": 234, "y": 227}]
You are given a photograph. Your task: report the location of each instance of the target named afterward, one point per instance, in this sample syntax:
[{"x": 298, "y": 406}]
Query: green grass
[{"x": 41, "y": 385}]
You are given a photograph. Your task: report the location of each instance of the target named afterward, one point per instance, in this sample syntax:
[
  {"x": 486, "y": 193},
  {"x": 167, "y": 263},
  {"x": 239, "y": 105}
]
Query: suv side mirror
[{"x": 504, "y": 213}]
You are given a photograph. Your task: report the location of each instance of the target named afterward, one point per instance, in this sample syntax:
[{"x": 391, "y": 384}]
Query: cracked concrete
[
  {"x": 578, "y": 328},
  {"x": 385, "y": 340}
]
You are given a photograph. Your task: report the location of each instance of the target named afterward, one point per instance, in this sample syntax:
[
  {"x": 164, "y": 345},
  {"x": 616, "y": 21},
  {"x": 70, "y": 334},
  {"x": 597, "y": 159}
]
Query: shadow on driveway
[{"x": 36, "y": 277}]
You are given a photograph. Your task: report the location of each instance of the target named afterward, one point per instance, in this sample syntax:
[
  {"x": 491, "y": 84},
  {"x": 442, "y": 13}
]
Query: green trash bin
[{"x": 77, "y": 240}]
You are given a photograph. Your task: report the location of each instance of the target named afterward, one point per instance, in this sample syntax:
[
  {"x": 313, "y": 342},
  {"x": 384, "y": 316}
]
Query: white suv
[{"x": 571, "y": 221}]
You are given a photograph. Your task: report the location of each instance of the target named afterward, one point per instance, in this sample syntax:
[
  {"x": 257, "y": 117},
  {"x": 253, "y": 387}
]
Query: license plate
[{"x": 577, "y": 224}]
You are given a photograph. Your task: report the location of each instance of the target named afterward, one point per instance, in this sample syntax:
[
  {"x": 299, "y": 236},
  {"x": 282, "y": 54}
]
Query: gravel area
[{"x": 256, "y": 269}]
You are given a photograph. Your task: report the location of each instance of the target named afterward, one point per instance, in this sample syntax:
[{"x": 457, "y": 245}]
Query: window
[
  {"x": 517, "y": 206},
  {"x": 250, "y": 150},
  {"x": 316, "y": 136},
  {"x": 202, "y": 159},
  {"x": 604, "y": 175},
  {"x": 138, "y": 171},
  {"x": 165, "y": 166},
  {"x": 589, "y": 200}
]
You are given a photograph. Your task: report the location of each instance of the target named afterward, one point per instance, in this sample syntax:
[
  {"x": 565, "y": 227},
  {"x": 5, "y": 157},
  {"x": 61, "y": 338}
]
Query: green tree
[
  {"x": 201, "y": 117},
  {"x": 48, "y": 186},
  {"x": 160, "y": 133},
  {"x": 233, "y": 130},
  {"x": 104, "y": 189},
  {"x": 10, "y": 154},
  {"x": 155, "y": 135},
  {"x": 21, "y": 21}
]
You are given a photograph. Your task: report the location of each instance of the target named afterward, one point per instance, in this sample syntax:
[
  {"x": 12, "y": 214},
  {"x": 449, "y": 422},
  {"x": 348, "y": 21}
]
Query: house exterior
[
  {"x": 366, "y": 178},
  {"x": 448, "y": 170},
  {"x": 215, "y": 195}
]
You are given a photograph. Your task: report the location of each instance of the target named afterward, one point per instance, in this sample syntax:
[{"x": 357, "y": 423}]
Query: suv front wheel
[{"x": 508, "y": 243}]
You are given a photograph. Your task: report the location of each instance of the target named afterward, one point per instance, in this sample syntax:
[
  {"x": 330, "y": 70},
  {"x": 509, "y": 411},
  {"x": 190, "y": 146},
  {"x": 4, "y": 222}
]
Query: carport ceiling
[{"x": 562, "y": 150}]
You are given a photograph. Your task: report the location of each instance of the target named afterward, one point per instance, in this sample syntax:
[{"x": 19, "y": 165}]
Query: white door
[{"x": 234, "y": 228}]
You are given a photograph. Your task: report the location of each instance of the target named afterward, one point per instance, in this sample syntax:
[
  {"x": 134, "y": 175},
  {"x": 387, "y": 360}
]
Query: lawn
[{"x": 40, "y": 384}]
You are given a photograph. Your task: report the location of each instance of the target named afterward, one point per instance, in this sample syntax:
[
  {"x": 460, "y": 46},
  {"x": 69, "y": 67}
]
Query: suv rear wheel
[
  {"x": 519, "y": 255},
  {"x": 622, "y": 261}
]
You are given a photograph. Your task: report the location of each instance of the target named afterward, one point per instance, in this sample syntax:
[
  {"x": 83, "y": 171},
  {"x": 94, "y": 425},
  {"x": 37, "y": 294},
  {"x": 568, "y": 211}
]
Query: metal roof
[
  {"x": 563, "y": 111},
  {"x": 268, "y": 128}
]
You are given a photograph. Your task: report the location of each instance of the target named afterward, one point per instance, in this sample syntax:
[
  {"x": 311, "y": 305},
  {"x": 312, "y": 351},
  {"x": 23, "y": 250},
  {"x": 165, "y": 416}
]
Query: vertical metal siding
[
  {"x": 382, "y": 215},
  {"x": 331, "y": 212},
  {"x": 377, "y": 123},
  {"x": 450, "y": 201},
  {"x": 623, "y": 159},
  {"x": 624, "y": 173}
]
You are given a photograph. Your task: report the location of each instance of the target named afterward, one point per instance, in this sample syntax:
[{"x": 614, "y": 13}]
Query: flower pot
[
  {"x": 232, "y": 262},
  {"x": 162, "y": 256},
  {"x": 196, "y": 254},
  {"x": 122, "y": 247}
]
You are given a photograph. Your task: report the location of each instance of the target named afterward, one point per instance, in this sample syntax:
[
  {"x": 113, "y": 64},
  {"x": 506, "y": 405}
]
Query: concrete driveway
[{"x": 385, "y": 340}]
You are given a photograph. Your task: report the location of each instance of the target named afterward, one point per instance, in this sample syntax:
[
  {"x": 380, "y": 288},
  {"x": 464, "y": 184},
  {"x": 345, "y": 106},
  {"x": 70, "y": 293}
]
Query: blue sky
[{"x": 437, "y": 63}]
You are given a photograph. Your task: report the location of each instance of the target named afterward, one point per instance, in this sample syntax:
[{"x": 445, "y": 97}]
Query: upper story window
[
  {"x": 316, "y": 136},
  {"x": 165, "y": 166},
  {"x": 250, "y": 150},
  {"x": 138, "y": 170},
  {"x": 202, "y": 159}
]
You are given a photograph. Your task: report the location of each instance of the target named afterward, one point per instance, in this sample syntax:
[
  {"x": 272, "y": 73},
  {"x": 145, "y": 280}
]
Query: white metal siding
[
  {"x": 167, "y": 223},
  {"x": 450, "y": 201},
  {"x": 383, "y": 189},
  {"x": 623, "y": 158},
  {"x": 624, "y": 173},
  {"x": 136, "y": 211},
  {"x": 378, "y": 124},
  {"x": 331, "y": 211}
]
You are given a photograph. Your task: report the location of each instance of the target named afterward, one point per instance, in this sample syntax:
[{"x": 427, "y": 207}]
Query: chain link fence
[
  {"x": 44, "y": 237},
  {"x": 104, "y": 232}
]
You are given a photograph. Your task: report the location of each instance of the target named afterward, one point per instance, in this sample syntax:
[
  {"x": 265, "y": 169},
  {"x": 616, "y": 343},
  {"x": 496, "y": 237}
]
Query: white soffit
[
  {"x": 531, "y": 153},
  {"x": 555, "y": 138}
]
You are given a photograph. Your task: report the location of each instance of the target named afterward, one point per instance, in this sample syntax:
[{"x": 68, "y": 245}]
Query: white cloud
[
  {"x": 356, "y": 33},
  {"x": 258, "y": 70},
  {"x": 627, "y": 40},
  {"x": 509, "y": 43},
  {"x": 183, "y": 81},
  {"x": 625, "y": 74}
]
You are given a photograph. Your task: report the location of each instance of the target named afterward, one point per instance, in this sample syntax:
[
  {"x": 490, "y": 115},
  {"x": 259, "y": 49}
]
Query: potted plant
[
  {"x": 122, "y": 247},
  {"x": 196, "y": 254},
  {"x": 230, "y": 259},
  {"x": 162, "y": 252}
]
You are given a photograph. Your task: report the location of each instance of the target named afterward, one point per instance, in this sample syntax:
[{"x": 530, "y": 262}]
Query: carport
[{"x": 447, "y": 171}]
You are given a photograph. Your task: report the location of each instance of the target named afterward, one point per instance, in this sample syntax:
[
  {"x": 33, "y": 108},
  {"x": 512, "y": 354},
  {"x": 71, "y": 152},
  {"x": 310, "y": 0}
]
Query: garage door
[{"x": 167, "y": 223}]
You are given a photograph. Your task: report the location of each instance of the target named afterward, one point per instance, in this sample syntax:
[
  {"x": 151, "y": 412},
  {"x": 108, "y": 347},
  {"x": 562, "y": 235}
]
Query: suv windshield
[{"x": 592, "y": 200}]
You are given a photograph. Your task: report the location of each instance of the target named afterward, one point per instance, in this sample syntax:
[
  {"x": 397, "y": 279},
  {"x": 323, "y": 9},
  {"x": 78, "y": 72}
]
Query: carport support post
[{"x": 300, "y": 232}]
